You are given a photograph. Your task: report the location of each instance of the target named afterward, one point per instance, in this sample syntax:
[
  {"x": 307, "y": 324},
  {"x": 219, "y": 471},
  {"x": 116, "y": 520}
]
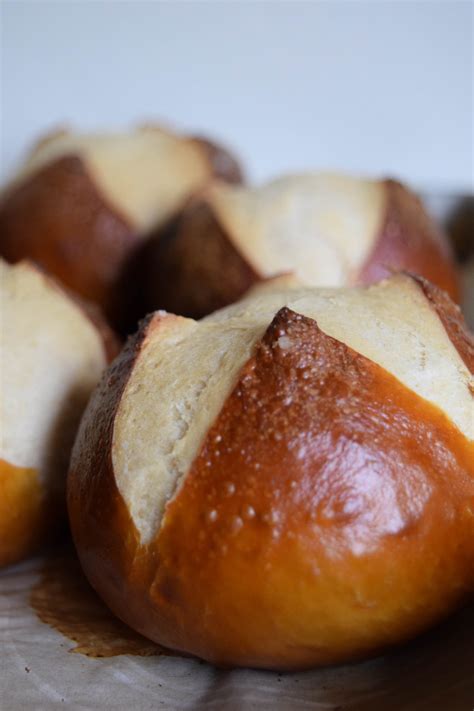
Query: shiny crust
[
  {"x": 410, "y": 240},
  {"x": 85, "y": 247},
  {"x": 324, "y": 552},
  {"x": 26, "y": 518},
  {"x": 107, "y": 552},
  {"x": 193, "y": 266},
  {"x": 294, "y": 540}
]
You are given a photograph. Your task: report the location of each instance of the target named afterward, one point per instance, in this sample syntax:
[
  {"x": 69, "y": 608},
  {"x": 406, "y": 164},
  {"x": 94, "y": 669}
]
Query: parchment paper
[{"x": 38, "y": 671}]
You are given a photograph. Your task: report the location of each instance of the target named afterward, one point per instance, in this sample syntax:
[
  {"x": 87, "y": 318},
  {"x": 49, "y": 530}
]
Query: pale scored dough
[
  {"x": 186, "y": 370},
  {"x": 321, "y": 226},
  {"x": 51, "y": 357}
]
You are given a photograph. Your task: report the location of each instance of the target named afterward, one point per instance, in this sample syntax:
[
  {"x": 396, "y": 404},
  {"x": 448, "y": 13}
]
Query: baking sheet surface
[{"x": 41, "y": 668}]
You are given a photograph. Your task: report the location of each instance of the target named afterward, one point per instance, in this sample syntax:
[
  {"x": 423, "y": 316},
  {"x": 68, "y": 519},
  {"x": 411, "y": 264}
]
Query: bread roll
[
  {"x": 52, "y": 354},
  {"x": 331, "y": 230},
  {"x": 83, "y": 205},
  {"x": 288, "y": 482}
]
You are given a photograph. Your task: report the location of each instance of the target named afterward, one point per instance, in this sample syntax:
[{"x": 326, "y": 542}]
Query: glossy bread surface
[{"x": 324, "y": 512}]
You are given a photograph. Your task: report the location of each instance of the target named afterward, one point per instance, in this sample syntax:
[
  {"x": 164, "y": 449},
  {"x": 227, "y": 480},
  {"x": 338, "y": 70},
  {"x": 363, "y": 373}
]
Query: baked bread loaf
[
  {"x": 331, "y": 230},
  {"x": 83, "y": 205},
  {"x": 52, "y": 353},
  {"x": 288, "y": 482}
]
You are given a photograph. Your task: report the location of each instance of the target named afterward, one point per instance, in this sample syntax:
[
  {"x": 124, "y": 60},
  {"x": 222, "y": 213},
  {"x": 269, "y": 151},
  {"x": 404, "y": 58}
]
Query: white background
[{"x": 371, "y": 87}]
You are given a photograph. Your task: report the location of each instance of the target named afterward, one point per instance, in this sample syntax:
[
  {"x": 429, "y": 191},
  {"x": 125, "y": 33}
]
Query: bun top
[
  {"x": 184, "y": 371},
  {"x": 52, "y": 356},
  {"x": 146, "y": 174},
  {"x": 321, "y": 225},
  {"x": 329, "y": 229}
]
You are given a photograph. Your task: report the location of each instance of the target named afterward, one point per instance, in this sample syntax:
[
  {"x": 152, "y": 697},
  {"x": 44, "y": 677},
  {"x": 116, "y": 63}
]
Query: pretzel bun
[
  {"x": 52, "y": 354},
  {"x": 288, "y": 482},
  {"x": 83, "y": 206},
  {"x": 331, "y": 230}
]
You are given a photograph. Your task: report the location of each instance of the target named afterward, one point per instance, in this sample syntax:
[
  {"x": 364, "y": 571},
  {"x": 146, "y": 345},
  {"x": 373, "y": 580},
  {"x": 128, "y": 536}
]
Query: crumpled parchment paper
[{"x": 39, "y": 669}]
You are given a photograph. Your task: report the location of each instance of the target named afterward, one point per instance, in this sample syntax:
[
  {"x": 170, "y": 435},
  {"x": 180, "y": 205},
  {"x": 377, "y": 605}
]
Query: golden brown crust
[
  {"x": 194, "y": 268},
  {"x": 294, "y": 540},
  {"x": 409, "y": 240},
  {"x": 28, "y": 516},
  {"x": 322, "y": 552},
  {"x": 92, "y": 494},
  {"x": 58, "y": 219}
]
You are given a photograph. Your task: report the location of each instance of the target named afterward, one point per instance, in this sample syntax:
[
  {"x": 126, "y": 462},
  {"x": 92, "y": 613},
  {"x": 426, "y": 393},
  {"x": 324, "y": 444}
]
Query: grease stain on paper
[{"x": 64, "y": 600}]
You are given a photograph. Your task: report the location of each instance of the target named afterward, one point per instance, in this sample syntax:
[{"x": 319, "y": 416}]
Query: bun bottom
[{"x": 27, "y": 514}]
